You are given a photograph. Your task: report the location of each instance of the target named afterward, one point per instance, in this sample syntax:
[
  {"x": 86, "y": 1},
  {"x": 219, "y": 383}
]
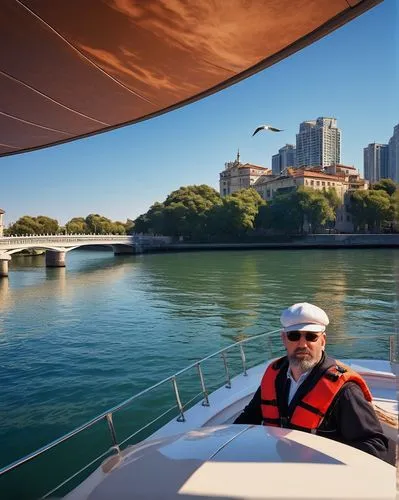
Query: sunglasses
[{"x": 309, "y": 336}]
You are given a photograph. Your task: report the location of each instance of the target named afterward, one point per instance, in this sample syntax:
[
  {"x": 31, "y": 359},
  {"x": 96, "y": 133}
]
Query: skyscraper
[
  {"x": 283, "y": 159},
  {"x": 375, "y": 162},
  {"x": 318, "y": 143},
  {"x": 393, "y": 155}
]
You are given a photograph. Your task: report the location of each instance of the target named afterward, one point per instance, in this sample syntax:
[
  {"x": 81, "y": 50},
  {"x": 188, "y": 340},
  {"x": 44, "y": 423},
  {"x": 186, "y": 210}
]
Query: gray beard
[{"x": 303, "y": 364}]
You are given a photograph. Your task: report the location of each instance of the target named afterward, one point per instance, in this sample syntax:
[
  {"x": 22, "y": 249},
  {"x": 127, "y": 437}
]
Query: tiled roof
[
  {"x": 251, "y": 165},
  {"x": 346, "y": 166},
  {"x": 316, "y": 175}
]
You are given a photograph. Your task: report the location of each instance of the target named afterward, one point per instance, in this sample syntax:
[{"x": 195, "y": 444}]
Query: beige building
[
  {"x": 267, "y": 188},
  {"x": 237, "y": 175},
  {"x": 1, "y": 222},
  {"x": 344, "y": 179}
]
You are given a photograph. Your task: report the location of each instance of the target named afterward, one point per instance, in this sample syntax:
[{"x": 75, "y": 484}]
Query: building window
[
  {"x": 323, "y": 183},
  {"x": 328, "y": 183},
  {"x": 312, "y": 183},
  {"x": 317, "y": 183}
]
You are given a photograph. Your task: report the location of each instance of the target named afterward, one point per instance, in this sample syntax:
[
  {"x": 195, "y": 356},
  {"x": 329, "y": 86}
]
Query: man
[{"x": 308, "y": 391}]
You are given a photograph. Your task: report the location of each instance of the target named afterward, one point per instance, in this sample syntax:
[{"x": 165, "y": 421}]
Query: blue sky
[{"x": 351, "y": 74}]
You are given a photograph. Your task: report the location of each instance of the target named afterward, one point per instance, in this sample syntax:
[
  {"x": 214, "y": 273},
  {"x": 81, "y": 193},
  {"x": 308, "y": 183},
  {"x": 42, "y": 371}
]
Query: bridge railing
[
  {"x": 12, "y": 239},
  {"x": 55, "y": 238}
]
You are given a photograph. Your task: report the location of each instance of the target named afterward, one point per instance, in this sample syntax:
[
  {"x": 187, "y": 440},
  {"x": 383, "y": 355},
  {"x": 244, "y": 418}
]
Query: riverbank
[{"x": 310, "y": 241}]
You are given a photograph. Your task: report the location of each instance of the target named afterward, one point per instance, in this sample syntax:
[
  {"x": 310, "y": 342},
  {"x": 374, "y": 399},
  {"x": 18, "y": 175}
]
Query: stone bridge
[{"x": 57, "y": 246}]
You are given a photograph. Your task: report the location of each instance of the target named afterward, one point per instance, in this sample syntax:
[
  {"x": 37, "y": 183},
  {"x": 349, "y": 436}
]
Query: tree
[
  {"x": 378, "y": 209},
  {"x": 202, "y": 197},
  {"x": 152, "y": 221},
  {"x": 129, "y": 226},
  {"x": 249, "y": 196},
  {"x": 315, "y": 207},
  {"x": 141, "y": 224},
  {"x": 77, "y": 225},
  {"x": 387, "y": 185},
  {"x": 358, "y": 208},
  {"x": 370, "y": 208},
  {"x": 286, "y": 213},
  {"x": 184, "y": 213},
  {"x": 186, "y": 210},
  {"x": 98, "y": 224},
  {"x": 48, "y": 225},
  {"x": 332, "y": 197},
  {"x": 34, "y": 225},
  {"x": 263, "y": 220},
  {"x": 236, "y": 215},
  {"x": 395, "y": 209},
  {"x": 118, "y": 227}
]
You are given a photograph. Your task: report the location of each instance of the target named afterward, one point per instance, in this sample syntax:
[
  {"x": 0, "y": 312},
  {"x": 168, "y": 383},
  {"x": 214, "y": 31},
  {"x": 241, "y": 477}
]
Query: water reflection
[
  {"x": 236, "y": 294},
  {"x": 25, "y": 284},
  {"x": 4, "y": 299},
  {"x": 19, "y": 262},
  {"x": 251, "y": 289}
]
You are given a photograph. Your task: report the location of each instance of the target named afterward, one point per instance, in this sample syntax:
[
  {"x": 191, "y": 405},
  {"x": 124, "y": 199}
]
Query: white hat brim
[{"x": 305, "y": 327}]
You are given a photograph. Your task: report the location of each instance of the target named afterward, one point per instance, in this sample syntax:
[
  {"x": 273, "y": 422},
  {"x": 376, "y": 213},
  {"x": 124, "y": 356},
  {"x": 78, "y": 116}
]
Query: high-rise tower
[
  {"x": 283, "y": 159},
  {"x": 318, "y": 143},
  {"x": 393, "y": 154},
  {"x": 375, "y": 162}
]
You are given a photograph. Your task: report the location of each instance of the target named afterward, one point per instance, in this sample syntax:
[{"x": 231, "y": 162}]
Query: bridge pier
[
  {"x": 4, "y": 259},
  {"x": 55, "y": 258}
]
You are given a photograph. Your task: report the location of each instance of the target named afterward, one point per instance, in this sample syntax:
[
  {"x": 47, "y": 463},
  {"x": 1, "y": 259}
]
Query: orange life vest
[{"x": 310, "y": 411}]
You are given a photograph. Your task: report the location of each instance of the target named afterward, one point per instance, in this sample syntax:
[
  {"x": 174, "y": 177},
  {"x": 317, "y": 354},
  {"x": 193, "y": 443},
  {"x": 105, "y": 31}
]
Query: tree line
[
  {"x": 92, "y": 224},
  {"x": 199, "y": 213}
]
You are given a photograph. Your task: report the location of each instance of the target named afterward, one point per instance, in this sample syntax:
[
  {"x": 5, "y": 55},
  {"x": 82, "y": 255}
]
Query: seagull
[{"x": 267, "y": 127}]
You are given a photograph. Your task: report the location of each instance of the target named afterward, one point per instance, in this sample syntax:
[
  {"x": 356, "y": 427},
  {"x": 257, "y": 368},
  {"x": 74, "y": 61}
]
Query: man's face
[{"x": 304, "y": 350}]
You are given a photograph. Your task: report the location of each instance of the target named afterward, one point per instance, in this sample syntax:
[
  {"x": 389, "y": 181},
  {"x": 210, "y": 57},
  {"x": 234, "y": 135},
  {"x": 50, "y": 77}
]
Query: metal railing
[
  {"x": 61, "y": 238},
  {"x": 107, "y": 416}
]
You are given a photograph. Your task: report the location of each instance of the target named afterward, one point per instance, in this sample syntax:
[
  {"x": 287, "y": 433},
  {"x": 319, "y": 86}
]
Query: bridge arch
[{"x": 57, "y": 246}]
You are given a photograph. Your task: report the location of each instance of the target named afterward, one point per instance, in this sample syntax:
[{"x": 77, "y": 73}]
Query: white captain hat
[{"x": 304, "y": 317}]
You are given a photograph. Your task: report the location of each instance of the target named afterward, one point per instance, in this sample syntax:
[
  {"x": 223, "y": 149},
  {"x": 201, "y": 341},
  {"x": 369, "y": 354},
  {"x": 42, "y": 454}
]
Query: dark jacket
[{"x": 350, "y": 419}]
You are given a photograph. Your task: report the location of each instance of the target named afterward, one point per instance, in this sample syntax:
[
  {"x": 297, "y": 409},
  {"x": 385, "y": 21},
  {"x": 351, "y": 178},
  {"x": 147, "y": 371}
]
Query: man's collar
[{"x": 301, "y": 377}]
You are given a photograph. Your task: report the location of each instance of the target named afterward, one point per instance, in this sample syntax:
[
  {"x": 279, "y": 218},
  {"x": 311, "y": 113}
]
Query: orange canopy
[{"x": 73, "y": 68}]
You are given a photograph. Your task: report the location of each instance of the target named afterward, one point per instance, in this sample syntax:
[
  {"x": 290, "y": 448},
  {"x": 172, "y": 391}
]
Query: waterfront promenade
[{"x": 308, "y": 241}]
